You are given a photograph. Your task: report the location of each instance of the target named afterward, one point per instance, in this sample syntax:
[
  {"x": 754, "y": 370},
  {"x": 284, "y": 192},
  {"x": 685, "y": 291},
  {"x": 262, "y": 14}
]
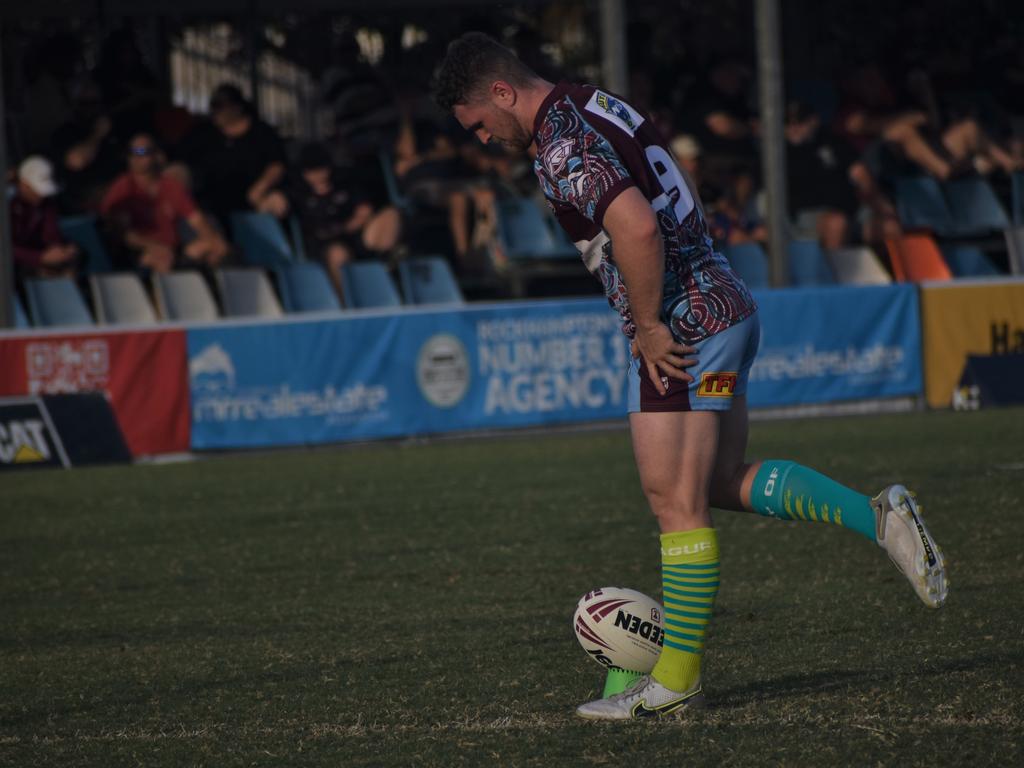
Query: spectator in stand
[
  {"x": 237, "y": 161},
  {"x": 871, "y": 115},
  {"x": 39, "y": 248},
  {"x": 828, "y": 181},
  {"x": 726, "y": 125},
  {"x": 85, "y": 152},
  {"x": 433, "y": 172},
  {"x": 339, "y": 224},
  {"x": 146, "y": 208}
]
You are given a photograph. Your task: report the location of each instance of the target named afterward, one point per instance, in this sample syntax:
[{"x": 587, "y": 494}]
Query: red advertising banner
[{"x": 144, "y": 374}]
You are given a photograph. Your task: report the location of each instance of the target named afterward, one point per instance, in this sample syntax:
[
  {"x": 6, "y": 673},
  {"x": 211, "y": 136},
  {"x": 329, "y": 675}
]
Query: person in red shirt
[
  {"x": 146, "y": 207},
  {"x": 40, "y": 249}
]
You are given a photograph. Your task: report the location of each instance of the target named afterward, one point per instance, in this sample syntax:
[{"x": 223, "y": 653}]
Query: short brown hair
[{"x": 473, "y": 62}]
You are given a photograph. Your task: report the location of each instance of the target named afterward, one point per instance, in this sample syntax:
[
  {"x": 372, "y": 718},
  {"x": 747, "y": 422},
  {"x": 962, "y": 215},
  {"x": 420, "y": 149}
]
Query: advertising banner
[
  {"x": 416, "y": 372},
  {"x": 962, "y": 319},
  {"x": 515, "y": 365},
  {"x": 142, "y": 372},
  {"x": 836, "y": 343}
]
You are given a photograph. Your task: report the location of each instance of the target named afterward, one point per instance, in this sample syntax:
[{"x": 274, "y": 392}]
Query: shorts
[{"x": 721, "y": 373}]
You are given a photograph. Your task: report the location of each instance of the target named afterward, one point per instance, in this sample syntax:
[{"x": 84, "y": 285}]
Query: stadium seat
[
  {"x": 395, "y": 196},
  {"x": 367, "y": 284},
  {"x": 1017, "y": 198},
  {"x": 120, "y": 297},
  {"x": 305, "y": 287},
  {"x": 298, "y": 241},
  {"x": 915, "y": 258},
  {"x": 858, "y": 266},
  {"x": 921, "y": 204},
  {"x": 807, "y": 264},
  {"x": 56, "y": 301},
  {"x": 525, "y": 233},
  {"x": 429, "y": 280},
  {"x": 82, "y": 231},
  {"x": 246, "y": 292},
  {"x": 20, "y": 318},
  {"x": 261, "y": 238},
  {"x": 1015, "y": 248},
  {"x": 750, "y": 262},
  {"x": 968, "y": 261},
  {"x": 976, "y": 209},
  {"x": 184, "y": 296}
]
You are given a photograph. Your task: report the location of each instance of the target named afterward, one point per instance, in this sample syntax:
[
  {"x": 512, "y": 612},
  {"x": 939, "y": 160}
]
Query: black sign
[{"x": 26, "y": 436}]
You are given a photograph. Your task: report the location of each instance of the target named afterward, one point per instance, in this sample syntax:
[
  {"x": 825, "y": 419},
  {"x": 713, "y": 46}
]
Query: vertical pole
[
  {"x": 614, "y": 74},
  {"x": 6, "y": 248},
  {"x": 773, "y": 138}
]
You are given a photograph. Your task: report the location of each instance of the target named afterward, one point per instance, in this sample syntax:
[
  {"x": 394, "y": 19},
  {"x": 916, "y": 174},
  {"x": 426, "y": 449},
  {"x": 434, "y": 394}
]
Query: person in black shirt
[
  {"x": 338, "y": 220},
  {"x": 237, "y": 161},
  {"x": 829, "y": 182},
  {"x": 85, "y": 153}
]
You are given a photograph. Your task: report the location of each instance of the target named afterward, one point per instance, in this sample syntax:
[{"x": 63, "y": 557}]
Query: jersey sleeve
[{"x": 581, "y": 169}]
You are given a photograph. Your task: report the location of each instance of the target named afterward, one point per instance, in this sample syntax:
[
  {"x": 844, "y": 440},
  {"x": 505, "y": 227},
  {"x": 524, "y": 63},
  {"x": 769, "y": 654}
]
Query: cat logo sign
[
  {"x": 23, "y": 442},
  {"x": 717, "y": 384}
]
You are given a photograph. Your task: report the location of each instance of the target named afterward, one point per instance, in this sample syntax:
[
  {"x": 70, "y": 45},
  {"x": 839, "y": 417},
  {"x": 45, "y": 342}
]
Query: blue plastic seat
[
  {"x": 305, "y": 287},
  {"x": 976, "y": 209},
  {"x": 1017, "y": 198},
  {"x": 968, "y": 261},
  {"x": 921, "y": 204},
  {"x": 807, "y": 264},
  {"x": 56, "y": 301},
  {"x": 261, "y": 239},
  {"x": 429, "y": 280},
  {"x": 20, "y": 318},
  {"x": 750, "y": 263},
  {"x": 367, "y": 284},
  {"x": 526, "y": 233},
  {"x": 82, "y": 231}
]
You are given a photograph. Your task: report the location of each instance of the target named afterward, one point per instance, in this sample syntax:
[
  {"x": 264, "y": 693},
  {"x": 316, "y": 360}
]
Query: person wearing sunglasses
[{"x": 149, "y": 210}]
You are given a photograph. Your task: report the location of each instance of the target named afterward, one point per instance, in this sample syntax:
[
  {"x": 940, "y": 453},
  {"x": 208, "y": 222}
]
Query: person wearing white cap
[{"x": 40, "y": 250}]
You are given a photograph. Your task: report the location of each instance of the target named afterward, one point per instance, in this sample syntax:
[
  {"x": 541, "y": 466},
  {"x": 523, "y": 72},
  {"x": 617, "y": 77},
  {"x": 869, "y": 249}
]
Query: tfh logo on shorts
[{"x": 717, "y": 384}]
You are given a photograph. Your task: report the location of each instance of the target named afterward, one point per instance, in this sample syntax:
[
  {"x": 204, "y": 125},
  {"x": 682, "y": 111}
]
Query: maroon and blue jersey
[{"x": 591, "y": 146}]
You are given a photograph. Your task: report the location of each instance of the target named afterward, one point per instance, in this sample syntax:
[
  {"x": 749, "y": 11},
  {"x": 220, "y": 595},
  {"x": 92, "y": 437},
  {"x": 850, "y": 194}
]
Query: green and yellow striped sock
[{"x": 689, "y": 575}]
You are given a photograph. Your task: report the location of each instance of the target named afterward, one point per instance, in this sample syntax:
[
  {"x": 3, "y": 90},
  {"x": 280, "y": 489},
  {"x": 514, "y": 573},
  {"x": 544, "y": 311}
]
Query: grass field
[{"x": 411, "y": 605}]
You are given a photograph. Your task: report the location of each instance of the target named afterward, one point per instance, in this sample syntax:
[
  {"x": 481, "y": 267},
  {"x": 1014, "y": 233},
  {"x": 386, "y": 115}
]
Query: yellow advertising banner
[{"x": 961, "y": 319}]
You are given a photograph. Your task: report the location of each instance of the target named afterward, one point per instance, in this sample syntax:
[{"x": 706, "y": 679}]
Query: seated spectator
[
  {"x": 145, "y": 208},
  {"x": 827, "y": 179},
  {"x": 237, "y": 161},
  {"x": 39, "y": 248},
  {"x": 432, "y": 172},
  {"x": 338, "y": 222},
  {"x": 85, "y": 152},
  {"x": 961, "y": 146},
  {"x": 732, "y": 213}
]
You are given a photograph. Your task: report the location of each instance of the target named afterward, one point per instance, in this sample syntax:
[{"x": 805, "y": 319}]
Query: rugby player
[{"x": 638, "y": 223}]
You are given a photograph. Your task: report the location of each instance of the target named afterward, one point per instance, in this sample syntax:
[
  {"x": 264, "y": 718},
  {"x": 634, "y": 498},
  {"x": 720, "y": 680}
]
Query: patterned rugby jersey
[{"x": 591, "y": 146}]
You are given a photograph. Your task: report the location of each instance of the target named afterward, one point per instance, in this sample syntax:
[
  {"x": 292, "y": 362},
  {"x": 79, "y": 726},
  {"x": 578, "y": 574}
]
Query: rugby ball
[{"x": 620, "y": 628}]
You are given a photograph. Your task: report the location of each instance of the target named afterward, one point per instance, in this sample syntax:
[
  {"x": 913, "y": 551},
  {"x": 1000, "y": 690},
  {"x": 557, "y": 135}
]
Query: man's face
[
  {"x": 489, "y": 122},
  {"x": 142, "y": 153}
]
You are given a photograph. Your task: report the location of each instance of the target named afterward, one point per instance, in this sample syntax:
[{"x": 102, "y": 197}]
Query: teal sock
[{"x": 791, "y": 491}]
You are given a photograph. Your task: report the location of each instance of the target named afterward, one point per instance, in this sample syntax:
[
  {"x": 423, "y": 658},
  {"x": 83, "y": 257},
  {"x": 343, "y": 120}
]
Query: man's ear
[{"x": 504, "y": 95}]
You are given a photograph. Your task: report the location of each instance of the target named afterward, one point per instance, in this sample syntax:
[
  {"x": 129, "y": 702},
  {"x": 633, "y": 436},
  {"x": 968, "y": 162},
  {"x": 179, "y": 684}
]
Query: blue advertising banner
[
  {"x": 415, "y": 372},
  {"x": 836, "y": 343},
  {"x": 361, "y": 376}
]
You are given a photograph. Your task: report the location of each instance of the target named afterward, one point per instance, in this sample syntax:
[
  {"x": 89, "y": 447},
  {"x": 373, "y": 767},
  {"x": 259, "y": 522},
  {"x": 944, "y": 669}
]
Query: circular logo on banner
[{"x": 442, "y": 370}]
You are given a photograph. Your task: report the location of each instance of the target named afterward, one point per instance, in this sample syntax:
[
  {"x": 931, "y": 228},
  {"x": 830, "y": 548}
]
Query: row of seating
[
  {"x": 967, "y": 207},
  {"x": 184, "y": 296},
  {"x": 914, "y": 257}
]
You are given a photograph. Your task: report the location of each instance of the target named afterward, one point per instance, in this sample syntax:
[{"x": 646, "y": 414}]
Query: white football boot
[
  {"x": 902, "y": 534},
  {"x": 645, "y": 698}
]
